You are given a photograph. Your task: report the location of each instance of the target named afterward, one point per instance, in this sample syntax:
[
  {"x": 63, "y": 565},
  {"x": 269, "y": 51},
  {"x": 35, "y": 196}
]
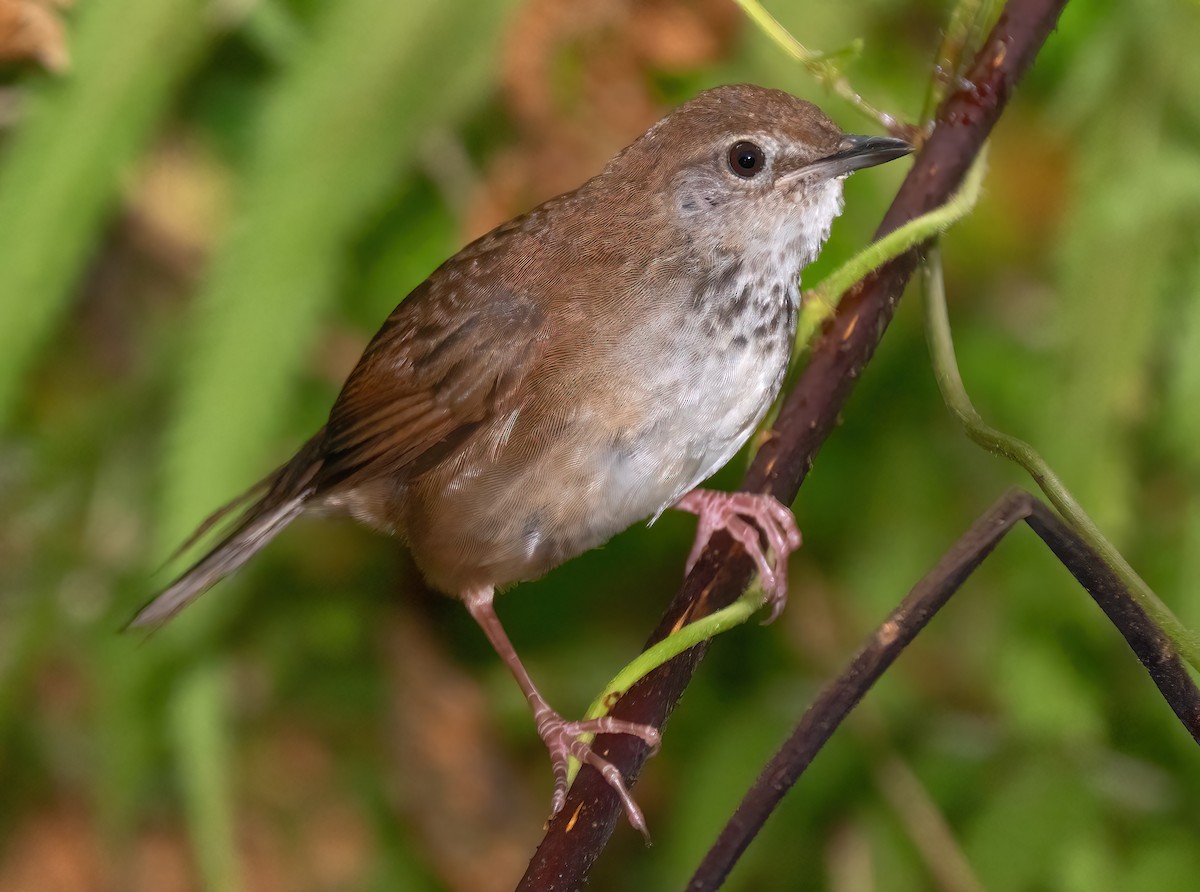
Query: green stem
[
  {"x": 821, "y": 302},
  {"x": 945, "y": 367},
  {"x": 962, "y": 31},
  {"x": 821, "y": 67},
  {"x": 673, "y": 645}
]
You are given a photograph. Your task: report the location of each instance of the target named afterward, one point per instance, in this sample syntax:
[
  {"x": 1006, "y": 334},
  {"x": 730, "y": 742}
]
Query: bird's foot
[
  {"x": 730, "y": 511},
  {"x": 562, "y": 739}
]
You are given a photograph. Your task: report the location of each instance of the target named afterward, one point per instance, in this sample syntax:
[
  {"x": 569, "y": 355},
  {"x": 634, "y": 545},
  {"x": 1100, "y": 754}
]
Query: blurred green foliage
[{"x": 201, "y": 223}]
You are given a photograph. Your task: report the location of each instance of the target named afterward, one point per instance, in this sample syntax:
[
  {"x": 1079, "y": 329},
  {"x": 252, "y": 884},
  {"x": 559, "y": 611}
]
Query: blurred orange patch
[{"x": 33, "y": 31}]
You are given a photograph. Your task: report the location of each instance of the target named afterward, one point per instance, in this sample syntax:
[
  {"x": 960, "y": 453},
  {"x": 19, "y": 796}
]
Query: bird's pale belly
[{"x": 515, "y": 517}]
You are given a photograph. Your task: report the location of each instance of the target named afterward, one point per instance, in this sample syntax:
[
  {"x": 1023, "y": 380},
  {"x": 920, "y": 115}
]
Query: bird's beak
[{"x": 857, "y": 152}]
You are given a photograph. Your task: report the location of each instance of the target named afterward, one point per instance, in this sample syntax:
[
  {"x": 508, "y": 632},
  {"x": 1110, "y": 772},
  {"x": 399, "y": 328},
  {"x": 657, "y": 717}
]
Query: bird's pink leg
[
  {"x": 561, "y": 737},
  {"x": 730, "y": 511}
]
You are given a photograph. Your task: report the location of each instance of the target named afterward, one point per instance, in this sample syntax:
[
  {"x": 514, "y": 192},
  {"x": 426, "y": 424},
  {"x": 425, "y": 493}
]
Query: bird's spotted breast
[{"x": 747, "y": 322}]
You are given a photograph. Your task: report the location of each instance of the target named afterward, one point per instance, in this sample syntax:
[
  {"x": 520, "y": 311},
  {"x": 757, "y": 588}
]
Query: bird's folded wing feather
[{"x": 435, "y": 372}]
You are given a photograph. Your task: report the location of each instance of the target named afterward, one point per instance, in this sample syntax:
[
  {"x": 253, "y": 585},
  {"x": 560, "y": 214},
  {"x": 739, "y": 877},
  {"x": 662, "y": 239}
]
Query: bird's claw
[
  {"x": 730, "y": 511},
  {"x": 563, "y": 740}
]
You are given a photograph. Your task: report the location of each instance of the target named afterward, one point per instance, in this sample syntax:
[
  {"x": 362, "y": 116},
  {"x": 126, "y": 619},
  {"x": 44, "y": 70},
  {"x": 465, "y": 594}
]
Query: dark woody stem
[
  {"x": 578, "y": 834},
  {"x": 1145, "y": 637}
]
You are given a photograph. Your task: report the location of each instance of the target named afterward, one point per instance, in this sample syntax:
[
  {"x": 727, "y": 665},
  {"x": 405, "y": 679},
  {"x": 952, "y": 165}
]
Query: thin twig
[
  {"x": 945, "y": 367},
  {"x": 839, "y": 697},
  {"x": 823, "y": 69},
  {"x": 925, "y": 825},
  {"x": 965, "y": 27}
]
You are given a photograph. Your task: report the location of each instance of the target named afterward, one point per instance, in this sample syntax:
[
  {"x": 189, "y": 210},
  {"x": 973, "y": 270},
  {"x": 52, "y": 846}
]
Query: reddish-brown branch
[{"x": 577, "y": 835}]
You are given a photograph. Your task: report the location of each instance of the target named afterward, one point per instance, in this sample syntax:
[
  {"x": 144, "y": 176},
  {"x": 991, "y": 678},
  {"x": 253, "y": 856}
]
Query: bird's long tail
[{"x": 270, "y": 505}]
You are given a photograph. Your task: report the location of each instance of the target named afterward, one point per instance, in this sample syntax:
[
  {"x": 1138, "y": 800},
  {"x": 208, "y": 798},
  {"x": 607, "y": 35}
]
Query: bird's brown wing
[
  {"x": 448, "y": 359},
  {"x": 438, "y": 369}
]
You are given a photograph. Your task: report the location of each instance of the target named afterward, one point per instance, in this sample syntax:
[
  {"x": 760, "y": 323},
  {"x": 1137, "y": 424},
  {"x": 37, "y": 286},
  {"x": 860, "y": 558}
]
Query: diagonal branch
[
  {"x": 837, "y": 699},
  {"x": 577, "y": 835}
]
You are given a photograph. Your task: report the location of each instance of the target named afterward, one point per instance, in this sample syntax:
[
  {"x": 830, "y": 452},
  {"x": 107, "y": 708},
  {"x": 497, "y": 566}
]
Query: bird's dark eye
[{"x": 746, "y": 159}]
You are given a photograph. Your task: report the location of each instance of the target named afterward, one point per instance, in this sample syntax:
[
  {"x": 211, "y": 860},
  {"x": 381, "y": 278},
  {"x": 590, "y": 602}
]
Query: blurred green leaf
[
  {"x": 1015, "y": 841},
  {"x": 62, "y": 174},
  {"x": 200, "y": 722},
  {"x": 349, "y": 102}
]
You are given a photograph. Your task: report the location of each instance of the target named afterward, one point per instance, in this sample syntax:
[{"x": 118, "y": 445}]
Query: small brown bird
[{"x": 578, "y": 369}]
